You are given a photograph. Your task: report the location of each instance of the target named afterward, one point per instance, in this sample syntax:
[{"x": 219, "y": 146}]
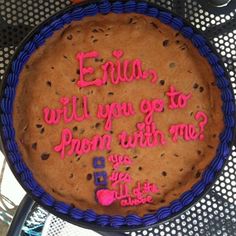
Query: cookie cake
[{"x": 118, "y": 115}]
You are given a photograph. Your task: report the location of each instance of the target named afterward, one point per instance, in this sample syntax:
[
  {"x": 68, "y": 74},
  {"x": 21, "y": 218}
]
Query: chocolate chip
[
  {"x": 176, "y": 155},
  {"x": 39, "y": 125},
  {"x": 111, "y": 132},
  {"x": 49, "y": 83},
  {"x": 172, "y": 65},
  {"x": 69, "y": 37},
  {"x": 127, "y": 168},
  {"x": 201, "y": 89},
  {"x": 140, "y": 168},
  {"x": 193, "y": 167},
  {"x": 97, "y": 125},
  {"x": 27, "y": 66},
  {"x": 191, "y": 114},
  {"x": 130, "y": 20},
  {"x": 180, "y": 183},
  {"x": 95, "y": 31},
  {"x": 95, "y": 40},
  {"x": 89, "y": 176},
  {"x": 183, "y": 47},
  {"x": 81, "y": 131},
  {"x": 106, "y": 35},
  {"x": 163, "y": 154},
  {"x": 150, "y": 210},
  {"x": 42, "y": 131},
  {"x": 199, "y": 152},
  {"x": 75, "y": 128},
  {"x": 110, "y": 93},
  {"x": 109, "y": 151},
  {"x": 177, "y": 34},
  {"x": 71, "y": 176},
  {"x": 214, "y": 135},
  {"x": 154, "y": 25},
  {"x": 164, "y": 173},
  {"x": 213, "y": 83},
  {"x": 45, "y": 156},
  {"x": 177, "y": 42},
  {"x": 189, "y": 71},
  {"x": 52, "y": 67},
  {"x": 65, "y": 57},
  {"x": 162, "y": 82},
  {"x": 181, "y": 169},
  {"x": 198, "y": 174},
  {"x": 211, "y": 147},
  {"x": 98, "y": 59},
  {"x": 73, "y": 80},
  {"x": 135, "y": 157},
  {"x": 195, "y": 86},
  {"x": 78, "y": 71},
  {"x": 34, "y": 146},
  {"x": 162, "y": 201},
  {"x": 165, "y": 43}
]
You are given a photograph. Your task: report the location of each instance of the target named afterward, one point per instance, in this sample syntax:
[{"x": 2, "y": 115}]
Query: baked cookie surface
[{"x": 52, "y": 72}]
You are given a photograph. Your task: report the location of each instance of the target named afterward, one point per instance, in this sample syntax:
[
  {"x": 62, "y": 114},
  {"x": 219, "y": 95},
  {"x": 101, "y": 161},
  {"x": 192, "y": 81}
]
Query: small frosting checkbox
[
  {"x": 100, "y": 178},
  {"x": 99, "y": 162}
]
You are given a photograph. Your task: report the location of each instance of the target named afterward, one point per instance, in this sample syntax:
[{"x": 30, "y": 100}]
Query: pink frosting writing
[
  {"x": 118, "y": 160},
  {"x": 54, "y": 116},
  {"x": 201, "y": 115},
  {"x": 188, "y": 131},
  {"x": 146, "y": 136},
  {"x": 114, "y": 111},
  {"x": 144, "y": 188},
  {"x": 119, "y": 177},
  {"x": 116, "y": 72},
  {"x": 177, "y": 99},
  {"x": 148, "y": 107},
  {"x": 86, "y": 70},
  {"x": 137, "y": 196},
  {"x": 135, "y": 201},
  {"x": 69, "y": 145}
]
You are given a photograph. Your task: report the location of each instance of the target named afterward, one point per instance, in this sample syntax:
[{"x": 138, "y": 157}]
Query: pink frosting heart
[
  {"x": 140, "y": 125},
  {"x": 118, "y": 53},
  {"x": 105, "y": 197}
]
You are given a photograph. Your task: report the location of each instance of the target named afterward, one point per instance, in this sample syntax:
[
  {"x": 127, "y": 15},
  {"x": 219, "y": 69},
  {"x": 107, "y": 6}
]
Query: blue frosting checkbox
[
  {"x": 100, "y": 178},
  {"x": 98, "y": 162}
]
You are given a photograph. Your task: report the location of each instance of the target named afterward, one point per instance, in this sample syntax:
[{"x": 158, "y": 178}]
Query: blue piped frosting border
[{"x": 89, "y": 216}]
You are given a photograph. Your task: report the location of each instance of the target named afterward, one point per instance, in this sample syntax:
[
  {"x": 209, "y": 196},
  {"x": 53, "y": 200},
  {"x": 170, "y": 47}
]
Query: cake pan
[{"x": 89, "y": 219}]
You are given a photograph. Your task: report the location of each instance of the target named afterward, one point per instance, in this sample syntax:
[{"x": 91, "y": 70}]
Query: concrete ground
[{"x": 11, "y": 194}]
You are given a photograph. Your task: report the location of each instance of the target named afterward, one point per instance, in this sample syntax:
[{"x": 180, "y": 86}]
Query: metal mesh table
[{"x": 215, "y": 214}]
